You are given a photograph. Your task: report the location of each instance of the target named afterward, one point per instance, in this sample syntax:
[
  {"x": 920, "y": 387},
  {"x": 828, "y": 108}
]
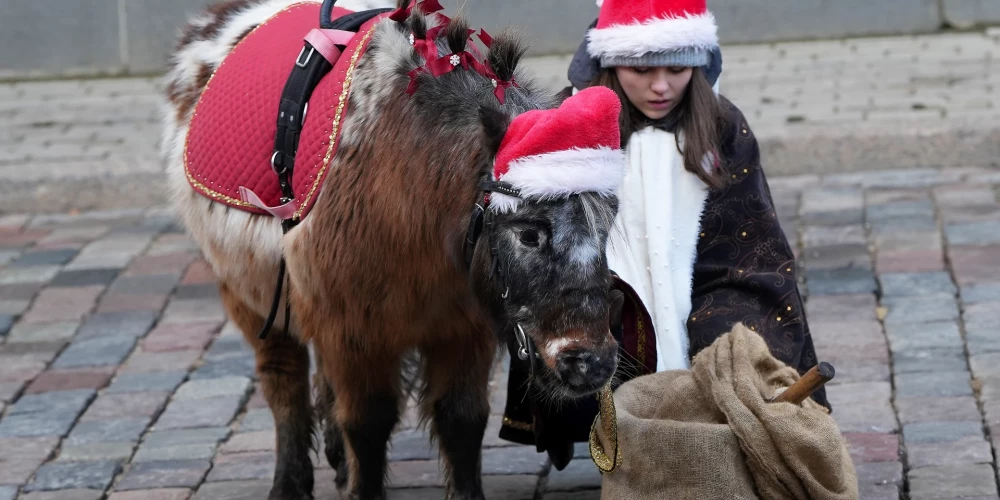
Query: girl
[{"x": 699, "y": 247}]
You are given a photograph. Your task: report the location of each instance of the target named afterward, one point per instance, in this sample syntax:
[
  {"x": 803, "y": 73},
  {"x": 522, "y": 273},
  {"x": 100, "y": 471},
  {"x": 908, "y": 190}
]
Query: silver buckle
[{"x": 298, "y": 60}]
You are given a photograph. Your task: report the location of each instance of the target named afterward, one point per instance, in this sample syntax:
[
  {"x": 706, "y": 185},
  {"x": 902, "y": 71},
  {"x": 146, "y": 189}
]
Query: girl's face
[{"x": 655, "y": 90}]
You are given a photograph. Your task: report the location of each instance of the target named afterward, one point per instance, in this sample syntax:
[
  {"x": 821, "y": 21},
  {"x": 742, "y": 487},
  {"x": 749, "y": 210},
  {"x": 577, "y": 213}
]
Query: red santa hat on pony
[
  {"x": 555, "y": 153},
  {"x": 653, "y": 33}
]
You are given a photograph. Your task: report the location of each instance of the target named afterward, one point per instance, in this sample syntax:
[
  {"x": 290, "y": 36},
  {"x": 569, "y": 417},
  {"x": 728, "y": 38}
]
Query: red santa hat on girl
[
  {"x": 653, "y": 33},
  {"x": 554, "y": 153}
]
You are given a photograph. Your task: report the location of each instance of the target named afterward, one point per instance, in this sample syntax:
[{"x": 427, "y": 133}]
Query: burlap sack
[{"x": 710, "y": 433}]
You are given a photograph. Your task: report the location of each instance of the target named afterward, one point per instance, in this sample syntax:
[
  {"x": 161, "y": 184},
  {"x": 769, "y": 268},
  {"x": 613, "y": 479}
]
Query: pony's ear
[{"x": 495, "y": 123}]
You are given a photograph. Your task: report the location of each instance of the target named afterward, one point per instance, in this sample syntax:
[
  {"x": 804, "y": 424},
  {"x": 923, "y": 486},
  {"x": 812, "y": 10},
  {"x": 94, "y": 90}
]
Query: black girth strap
[{"x": 310, "y": 67}]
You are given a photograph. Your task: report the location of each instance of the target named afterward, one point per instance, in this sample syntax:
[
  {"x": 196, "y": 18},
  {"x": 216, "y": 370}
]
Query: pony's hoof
[{"x": 342, "y": 475}]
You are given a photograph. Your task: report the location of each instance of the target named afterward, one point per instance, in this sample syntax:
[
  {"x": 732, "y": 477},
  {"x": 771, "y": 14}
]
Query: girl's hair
[{"x": 699, "y": 116}]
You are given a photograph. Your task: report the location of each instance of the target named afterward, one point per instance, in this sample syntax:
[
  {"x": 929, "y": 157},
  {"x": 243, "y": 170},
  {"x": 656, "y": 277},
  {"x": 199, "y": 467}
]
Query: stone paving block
[
  {"x": 18, "y": 471},
  {"x": 52, "y": 402},
  {"x": 879, "y": 473},
  {"x": 969, "y": 215},
  {"x": 71, "y": 494},
  {"x": 962, "y": 195},
  {"x": 916, "y": 284},
  {"x": 863, "y": 407},
  {"x": 174, "y": 263},
  {"x": 920, "y": 336},
  {"x": 837, "y": 257},
  {"x": 193, "y": 311},
  {"x": 33, "y": 425},
  {"x": 179, "y": 337},
  {"x": 158, "y": 494},
  {"x": 915, "y": 261},
  {"x": 930, "y": 360},
  {"x": 984, "y": 365},
  {"x": 832, "y": 309},
  {"x": 242, "y": 467},
  {"x": 8, "y": 492},
  {"x": 940, "y": 432},
  {"x": 186, "y": 444},
  {"x": 909, "y": 310},
  {"x": 954, "y": 409},
  {"x": 14, "y": 307},
  {"x": 908, "y": 241},
  {"x": 199, "y": 272},
  {"x": 117, "y": 324},
  {"x": 415, "y": 474},
  {"x": 114, "y": 405},
  {"x": 63, "y": 304},
  {"x": 265, "y": 441},
  {"x": 59, "y": 476},
  {"x": 899, "y": 209},
  {"x": 197, "y": 291},
  {"x": 38, "y": 448},
  {"x": 257, "y": 420},
  {"x": 19, "y": 369},
  {"x": 67, "y": 380},
  {"x": 940, "y": 384},
  {"x": 973, "y": 265},
  {"x": 902, "y": 225},
  {"x": 23, "y": 291},
  {"x": 834, "y": 217},
  {"x": 99, "y": 351},
  {"x": 974, "y": 233},
  {"x": 146, "y": 382},
  {"x": 967, "y": 450},
  {"x": 513, "y": 460},
  {"x": 209, "y": 388},
  {"x": 578, "y": 475},
  {"x": 987, "y": 313},
  {"x": 145, "y": 283},
  {"x": 111, "y": 303},
  {"x": 519, "y": 487},
  {"x": 818, "y": 236},
  {"x": 43, "y": 332},
  {"x": 412, "y": 444},
  {"x": 85, "y": 277},
  {"x": 56, "y": 257},
  {"x": 981, "y": 292},
  {"x": 240, "y": 490},
  {"x": 31, "y": 274},
  {"x": 118, "y": 452},
  {"x": 840, "y": 282},
  {"x": 210, "y": 412},
  {"x": 952, "y": 481},
  {"x": 870, "y": 447},
  {"x": 149, "y": 362},
  {"x": 112, "y": 430},
  {"x": 982, "y": 339},
  {"x": 164, "y": 474},
  {"x": 9, "y": 389}
]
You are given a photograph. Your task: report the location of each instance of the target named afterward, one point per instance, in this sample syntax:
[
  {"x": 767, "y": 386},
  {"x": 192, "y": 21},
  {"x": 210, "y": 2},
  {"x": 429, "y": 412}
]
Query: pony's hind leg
[
  {"x": 366, "y": 409},
  {"x": 283, "y": 366},
  {"x": 333, "y": 438},
  {"x": 457, "y": 394}
]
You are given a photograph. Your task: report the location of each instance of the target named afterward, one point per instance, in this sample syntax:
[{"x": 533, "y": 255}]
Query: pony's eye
[{"x": 529, "y": 237}]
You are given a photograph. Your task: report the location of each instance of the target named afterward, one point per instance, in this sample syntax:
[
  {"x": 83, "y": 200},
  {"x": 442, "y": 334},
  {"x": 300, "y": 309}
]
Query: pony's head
[{"x": 550, "y": 208}]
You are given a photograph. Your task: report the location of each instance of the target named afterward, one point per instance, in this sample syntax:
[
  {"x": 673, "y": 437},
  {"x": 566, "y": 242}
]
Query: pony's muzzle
[{"x": 584, "y": 371}]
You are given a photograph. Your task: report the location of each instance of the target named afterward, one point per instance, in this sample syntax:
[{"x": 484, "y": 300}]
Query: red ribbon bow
[
  {"x": 448, "y": 62},
  {"x": 426, "y": 6}
]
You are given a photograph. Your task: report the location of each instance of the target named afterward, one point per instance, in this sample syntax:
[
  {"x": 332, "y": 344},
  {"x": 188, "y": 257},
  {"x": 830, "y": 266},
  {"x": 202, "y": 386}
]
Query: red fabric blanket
[{"x": 231, "y": 137}]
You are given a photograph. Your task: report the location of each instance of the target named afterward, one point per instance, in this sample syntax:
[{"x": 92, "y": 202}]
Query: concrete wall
[{"x": 72, "y": 37}]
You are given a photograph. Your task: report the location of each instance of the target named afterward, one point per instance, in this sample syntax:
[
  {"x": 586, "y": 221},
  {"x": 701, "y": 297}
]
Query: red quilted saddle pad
[{"x": 231, "y": 136}]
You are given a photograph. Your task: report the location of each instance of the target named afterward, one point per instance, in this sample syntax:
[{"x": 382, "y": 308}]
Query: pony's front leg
[
  {"x": 365, "y": 408},
  {"x": 458, "y": 375},
  {"x": 283, "y": 366}
]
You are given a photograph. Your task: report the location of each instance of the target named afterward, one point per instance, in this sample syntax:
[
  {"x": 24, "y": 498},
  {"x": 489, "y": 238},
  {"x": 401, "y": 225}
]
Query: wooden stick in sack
[{"x": 808, "y": 384}]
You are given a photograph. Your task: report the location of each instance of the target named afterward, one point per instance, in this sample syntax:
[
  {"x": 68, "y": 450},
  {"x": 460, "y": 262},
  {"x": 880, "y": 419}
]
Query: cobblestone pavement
[
  {"x": 853, "y": 104},
  {"x": 120, "y": 377}
]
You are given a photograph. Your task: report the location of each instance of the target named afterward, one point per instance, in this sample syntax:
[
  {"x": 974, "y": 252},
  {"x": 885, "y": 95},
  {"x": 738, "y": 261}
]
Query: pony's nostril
[{"x": 575, "y": 366}]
